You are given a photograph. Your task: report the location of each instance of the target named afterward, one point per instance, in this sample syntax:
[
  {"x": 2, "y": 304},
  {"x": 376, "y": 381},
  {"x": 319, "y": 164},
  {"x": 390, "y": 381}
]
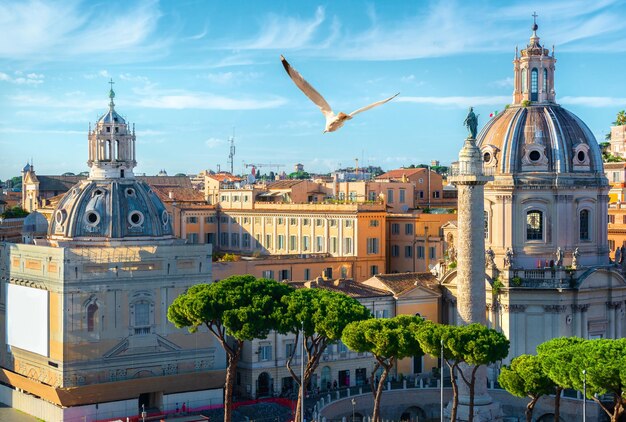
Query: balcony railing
[{"x": 469, "y": 169}]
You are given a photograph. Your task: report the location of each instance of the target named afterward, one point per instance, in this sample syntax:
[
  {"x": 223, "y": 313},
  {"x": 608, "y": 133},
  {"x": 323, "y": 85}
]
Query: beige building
[
  {"x": 262, "y": 371},
  {"x": 85, "y": 310},
  {"x": 618, "y": 140},
  {"x": 427, "y": 185}
]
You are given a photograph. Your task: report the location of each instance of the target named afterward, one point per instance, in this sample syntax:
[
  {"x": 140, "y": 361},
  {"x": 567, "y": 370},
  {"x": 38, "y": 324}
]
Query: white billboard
[{"x": 27, "y": 318}]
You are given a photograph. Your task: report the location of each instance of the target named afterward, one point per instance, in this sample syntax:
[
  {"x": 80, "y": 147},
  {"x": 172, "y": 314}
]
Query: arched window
[
  {"x": 584, "y": 225},
  {"x": 524, "y": 81},
  {"x": 91, "y": 317},
  {"x": 545, "y": 80},
  {"x": 534, "y": 84},
  {"x": 534, "y": 225}
]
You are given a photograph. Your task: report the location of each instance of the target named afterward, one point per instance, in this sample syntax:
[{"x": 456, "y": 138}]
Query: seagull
[{"x": 333, "y": 121}]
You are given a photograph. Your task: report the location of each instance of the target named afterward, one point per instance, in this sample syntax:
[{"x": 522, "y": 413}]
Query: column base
[{"x": 485, "y": 409}]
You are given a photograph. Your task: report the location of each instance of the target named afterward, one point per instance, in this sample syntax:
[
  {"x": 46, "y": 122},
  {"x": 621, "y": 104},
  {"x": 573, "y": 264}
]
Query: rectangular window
[
  {"x": 283, "y": 275},
  {"x": 534, "y": 225},
  {"x": 246, "y": 240},
  {"x": 257, "y": 238},
  {"x": 344, "y": 272},
  {"x": 373, "y": 270},
  {"x": 223, "y": 198},
  {"x": 319, "y": 222},
  {"x": 433, "y": 252},
  {"x": 265, "y": 352},
  {"x": 293, "y": 242},
  {"x": 333, "y": 245},
  {"x": 372, "y": 245},
  {"x": 257, "y": 220},
  {"x": 307, "y": 274},
  {"x": 281, "y": 241},
  {"x": 623, "y": 219},
  {"x": 347, "y": 247},
  {"x": 306, "y": 244},
  {"x": 236, "y": 198},
  {"x": 268, "y": 241},
  {"x": 192, "y": 238},
  {"x": 352, "y": 196},
  {"x": 268, "y": 274},
  {"x": 420, "y": 252},
  {"x": 348, "y": 223},
  {"x": 371, "y": 196},
  {"x": 328, "y": 272},
  {"x": 332, "y": 222},
  {"x": 319, "y": 243},
  {"x": 224, "y": 219},
  {"x": 402, "y": 198},
  {"x": 395, "y": 250},
  {"x": 192, "y": 220},
  {"x": 390, "y": 196},
  {"x": 289, "y": 349},
  {"x": 305, "y": 221},
  {"x": 209, "y": 220},
  {"x": 436, "y": 194},
  {"x": 611, "y": 219},
  {"x": 280, "y": 221},
  {"x": 395, "y": 228},
  {"x": 234, "y": 240},
  {"x": 210, "y": 238},
  {"x": 408, "y": 251},
  {"x": 611, "y": 245},
  {"x": 421, "y": 194},
  {"x": 408, "y": 228},
  {"x": 224, "y": 239},
  {"x": 374, "y": 223},
  {"x": 293, "y": 221}
]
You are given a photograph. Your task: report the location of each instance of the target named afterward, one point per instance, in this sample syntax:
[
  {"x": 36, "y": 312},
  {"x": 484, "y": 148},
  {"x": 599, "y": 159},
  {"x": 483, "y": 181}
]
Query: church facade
[
  {"x": 85, "y": 309},
  {"x": 547, "y": 268}
]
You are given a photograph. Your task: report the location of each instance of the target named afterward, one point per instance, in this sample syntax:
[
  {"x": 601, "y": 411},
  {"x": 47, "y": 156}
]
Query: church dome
[
  {"x": 109, "y": 210},
  {"x": 111, "y": 205},
  {"x": 539, "y": 138},
  {"x": 35, "y": 224}
]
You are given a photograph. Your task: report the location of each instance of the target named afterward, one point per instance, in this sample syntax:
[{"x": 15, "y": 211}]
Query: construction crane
[{"x": 259, "y": 165}]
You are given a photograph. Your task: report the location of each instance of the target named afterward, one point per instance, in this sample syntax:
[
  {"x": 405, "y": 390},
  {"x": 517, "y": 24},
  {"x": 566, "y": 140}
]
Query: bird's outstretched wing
[
  {"x": 305, "y": 87},
  {"x": 367, "y": 107}
]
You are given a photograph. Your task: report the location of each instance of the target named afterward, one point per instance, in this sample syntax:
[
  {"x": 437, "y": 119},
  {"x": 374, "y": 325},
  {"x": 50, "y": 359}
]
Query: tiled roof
[
  {"x": 225, "y": 177},
  {"x": 283, "y": 184},
  {"x": 347, "y": 287},
  {"x": 167, "y": 181},
  {"x": 401, "y": 282},
  {"x": 58, "y": 183},
  {"x": 178, "y": 194}
]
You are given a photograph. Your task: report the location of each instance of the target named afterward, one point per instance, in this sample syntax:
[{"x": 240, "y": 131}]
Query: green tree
[
  {"x": 556, "y": 356},
  {"x": 15, "y": 212},
  {"x": 388, "y": 339},
  {"x": 620, "y": 119},
  {"x": 525, "y": 377},
  {"x": 473, "y": 344},
  {"x": 324, "y": 315},
  {"x": 241, "y": 307},
  {"x": 300, "y": 175}
]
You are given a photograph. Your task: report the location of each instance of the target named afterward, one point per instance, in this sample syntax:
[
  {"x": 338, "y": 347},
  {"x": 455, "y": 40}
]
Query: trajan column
[{"x": 469, "y": 179}]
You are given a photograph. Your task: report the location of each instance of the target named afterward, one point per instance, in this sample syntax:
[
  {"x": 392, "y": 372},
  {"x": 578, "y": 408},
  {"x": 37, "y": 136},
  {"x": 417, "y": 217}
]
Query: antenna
[{"x": 231, "y": 155}]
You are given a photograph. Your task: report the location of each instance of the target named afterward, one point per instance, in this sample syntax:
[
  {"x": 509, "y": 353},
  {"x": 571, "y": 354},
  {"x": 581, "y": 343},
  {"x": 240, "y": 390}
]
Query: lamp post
[
  {"x": 353, "y": 401},
  {"x": 441, "y": 382},
  {"x": 584, "y": 395}
]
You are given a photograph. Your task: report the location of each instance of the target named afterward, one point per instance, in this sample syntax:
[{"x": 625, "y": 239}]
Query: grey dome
[
  {"x": 35, "y": 224},
  {"x": 539, "y": 138},
  {"x": 112, "y": 116},
  {"x": 110, "y": 210}
]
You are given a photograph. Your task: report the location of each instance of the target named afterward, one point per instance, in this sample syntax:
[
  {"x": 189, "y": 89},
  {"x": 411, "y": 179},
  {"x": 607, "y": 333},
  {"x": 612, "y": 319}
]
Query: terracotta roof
[
  {"x": 401, "y": 282},
  {"x": 178, "y": 194},
  {"x": 225, "y": 177},
  {"x": 398, "y": 173},
  {"x": 347, "y": 287},
  {"x": 283, "y": 184}
]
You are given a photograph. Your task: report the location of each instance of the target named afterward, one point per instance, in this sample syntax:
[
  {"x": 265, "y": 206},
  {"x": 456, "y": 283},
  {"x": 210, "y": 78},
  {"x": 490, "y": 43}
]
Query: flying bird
[{"x": 333, "y": 121}]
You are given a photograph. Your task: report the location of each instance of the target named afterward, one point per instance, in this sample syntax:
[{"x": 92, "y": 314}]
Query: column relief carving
[
  {"x": 554, "y": 308},
  {"x": 514, "y": 308}
]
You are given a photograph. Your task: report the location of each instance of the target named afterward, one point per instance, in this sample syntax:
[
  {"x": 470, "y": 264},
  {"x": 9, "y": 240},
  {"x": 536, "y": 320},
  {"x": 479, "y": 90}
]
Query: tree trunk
[
  {"x": 557, "y": 405},
  {"x": 379, "y": 392},
  {"x": 530, "y": 407},
  {"x": 455, "y": 393},
  {"x": 471, "y": 393},
  {"x": 313, "y": 354},
  {"x": 232, "y": 358}
]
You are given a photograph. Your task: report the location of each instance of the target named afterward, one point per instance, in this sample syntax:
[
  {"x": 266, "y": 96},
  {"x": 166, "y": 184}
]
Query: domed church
[
  {"x": 85, "y": 310},
  {"x": 547, "y": 269}
]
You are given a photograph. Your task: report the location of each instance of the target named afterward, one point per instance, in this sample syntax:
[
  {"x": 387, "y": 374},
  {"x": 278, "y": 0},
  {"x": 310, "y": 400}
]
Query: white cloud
[
  {"x": 207, "y": 101},
  {"x": 229, "y": 78},
  {"x": 99, "y": 74},
  {"x": 214, "y": 142},
  {"x": 283, "y": 32},
  {"x": 133, "y": 78},
  {"x": 461, "y": 102},
  {"x": 44, "y": 30},
  {"x": 504, "y": 83},
  {"x": 21, "y": 79}
]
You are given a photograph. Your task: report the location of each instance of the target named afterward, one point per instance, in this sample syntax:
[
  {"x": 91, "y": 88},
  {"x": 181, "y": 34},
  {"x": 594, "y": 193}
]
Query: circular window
[
  {"x": 165, "y": 217},
  {"x": 135, "y": 218},
  {"x": 486, "y": 157},
  {"x": 130, "y": 192},
  {"x": 534, "y": 155},
  {"x": 59, "y": 216},
  {"x": 92, "y": 218},
  {"x": 581, "y": 155}
]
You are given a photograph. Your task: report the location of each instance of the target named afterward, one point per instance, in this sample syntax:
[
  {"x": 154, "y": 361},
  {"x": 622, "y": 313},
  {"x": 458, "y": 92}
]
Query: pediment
[{"x": 134, "y": 345}]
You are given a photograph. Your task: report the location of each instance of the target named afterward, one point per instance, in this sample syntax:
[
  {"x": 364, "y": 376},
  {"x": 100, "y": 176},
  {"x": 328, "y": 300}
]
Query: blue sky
[{"x": 188, "y": 72}]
